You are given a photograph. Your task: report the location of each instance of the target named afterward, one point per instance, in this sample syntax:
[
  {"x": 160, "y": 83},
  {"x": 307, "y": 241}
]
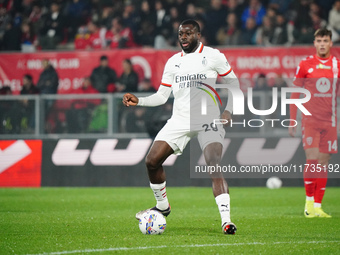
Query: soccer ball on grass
[
  {"x": 274, "y": 183},
  {"x": 152, "y": 223}
]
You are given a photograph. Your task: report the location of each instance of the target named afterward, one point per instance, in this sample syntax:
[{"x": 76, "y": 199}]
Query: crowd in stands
[{"x": 30, "y": 25}]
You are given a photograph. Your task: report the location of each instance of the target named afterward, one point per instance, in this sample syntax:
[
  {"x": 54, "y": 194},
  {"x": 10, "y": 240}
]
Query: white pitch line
[{"x": 177, "y": 246}]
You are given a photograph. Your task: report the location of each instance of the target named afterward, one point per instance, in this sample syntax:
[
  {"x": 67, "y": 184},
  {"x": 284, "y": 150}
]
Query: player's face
[
  {"x": 188, "y": 38},
  {"x": 323, "y": 46}
]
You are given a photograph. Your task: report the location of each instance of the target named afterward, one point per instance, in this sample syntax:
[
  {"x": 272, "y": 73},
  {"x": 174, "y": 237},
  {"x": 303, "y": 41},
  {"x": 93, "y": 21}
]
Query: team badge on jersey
[
  {"x": 309, "y": 140},
  {"x": 204, "y": 61},
  {"x": 310, "y": 70}
]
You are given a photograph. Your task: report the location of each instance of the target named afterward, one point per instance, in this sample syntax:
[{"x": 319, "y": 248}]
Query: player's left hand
[
  {"x": 130, "y": 100},
  {"x": 226, "y": 115}
]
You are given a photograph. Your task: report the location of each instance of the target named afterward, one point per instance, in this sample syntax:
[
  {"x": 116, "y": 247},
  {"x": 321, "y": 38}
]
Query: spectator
[
  {"x": 204, "y": 32},
  {"x": 146, "y": 86},
  {"x": 334, "y": 21},
  {"x": 315, "y": 8},
  {"x": 146, "y": 30},
  {"x": 317, "y": 21},
  {"x": 171, "y": 40},
  {"x": 9, "y": 118},
  {"x": 248, "y": 34},
  {"x": 97, "y": 36},
  {"x": 28, "y": 38},
  {"x": 52, "y": 32},
  {"x": 5, "y": 19},
  {"x": 77, "y": 13},
  {"x": 280, "y": 82},
  {"x": 215, "y": 19},
  {"x": 280, "y": 36},
  {"x": 130, "y": 16},
  {"x": 134, "y": 121},
  {"x": 181, "y": 6},
  {"x": 28, "y": 88},
  {"x": 191, "y": 12},
  {"x": 325, "y": 5},
  {"x": 146, "y": 34},
  {"x": 261, "y": 83},
  {"x": 11, "y": 39},
  {"x": 146, "y": 13},
  {"x": 162, "y": 19},
  {"x": 78, "y": 117},
  {"x": 5, "y": 90},
  {"x": 106, "y": 16},
  {"x": 303, "y": 20},
  {"x": 82, "y": 39},
  {"x": 128, "y": 81},
  {"x": 152, "y": 23},
  {"x": 34, "y": 17},
  {"x": 304, "y": 35},
  {"x": 235, "y": 7},
  {"x": 265, "y": 33},
  {"x": 166, "y": 30},
  {"x": 103, "y": 77},
  {"x": 48, "y": 81},
  {"x": 271, "y": 14},
  {"x": 230, "y": 35},
  {"x": 254, "y": 10},
  {"x": 119, "y": 36},
  {"x": 281, "y": 6}
]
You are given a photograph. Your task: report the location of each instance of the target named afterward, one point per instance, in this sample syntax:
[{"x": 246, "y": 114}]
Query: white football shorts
[{"x": 178, "y": 135}]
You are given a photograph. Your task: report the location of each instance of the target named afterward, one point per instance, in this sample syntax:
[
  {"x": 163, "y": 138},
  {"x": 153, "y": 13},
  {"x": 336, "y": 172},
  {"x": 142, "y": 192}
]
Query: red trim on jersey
[
  {"x": 201, "y": 49},
  {"x": 167, "y": 85},
  {"x": 181, "y": 54},
  {"x": 226, "y": 73}
]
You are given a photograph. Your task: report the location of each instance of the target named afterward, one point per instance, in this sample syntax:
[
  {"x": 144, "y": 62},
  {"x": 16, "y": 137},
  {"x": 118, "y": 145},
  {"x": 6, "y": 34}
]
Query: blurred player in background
[
  {"x": 319, "y": 74},
  {"x": 195, "y": 60}
]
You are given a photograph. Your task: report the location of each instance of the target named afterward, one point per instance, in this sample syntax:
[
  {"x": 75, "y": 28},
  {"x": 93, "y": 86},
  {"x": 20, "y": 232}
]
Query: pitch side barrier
[{"x": 120, "y": 162}]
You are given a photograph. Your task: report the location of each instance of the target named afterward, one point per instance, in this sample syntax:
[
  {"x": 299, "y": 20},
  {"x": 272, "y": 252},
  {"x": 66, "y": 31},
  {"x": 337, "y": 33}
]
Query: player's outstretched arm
[{"x": 130, "y": 100}]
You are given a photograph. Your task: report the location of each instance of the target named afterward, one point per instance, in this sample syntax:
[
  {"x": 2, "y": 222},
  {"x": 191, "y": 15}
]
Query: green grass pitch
[{"x": 101, "y": 221}]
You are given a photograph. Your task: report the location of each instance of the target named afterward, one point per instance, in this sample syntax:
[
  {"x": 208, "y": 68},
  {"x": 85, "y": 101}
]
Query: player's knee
[
  {"x": 212, "y": 160},
  {"x": 152, "y": 163}
]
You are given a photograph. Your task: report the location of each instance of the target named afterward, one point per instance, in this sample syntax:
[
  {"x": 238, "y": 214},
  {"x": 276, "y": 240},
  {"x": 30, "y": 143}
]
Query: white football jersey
[{"x": 192, "y": 78}]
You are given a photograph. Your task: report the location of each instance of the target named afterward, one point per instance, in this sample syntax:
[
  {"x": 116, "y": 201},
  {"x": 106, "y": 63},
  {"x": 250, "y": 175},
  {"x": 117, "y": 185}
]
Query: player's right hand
[
  {"x": 292, "y": 131},
  {"x": 130, "y": 99}
]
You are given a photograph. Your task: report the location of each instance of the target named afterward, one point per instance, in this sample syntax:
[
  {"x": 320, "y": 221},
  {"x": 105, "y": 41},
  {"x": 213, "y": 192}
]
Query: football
[
  {"x": 152, "y": 223},
  {"x": 274, "y": 183}
]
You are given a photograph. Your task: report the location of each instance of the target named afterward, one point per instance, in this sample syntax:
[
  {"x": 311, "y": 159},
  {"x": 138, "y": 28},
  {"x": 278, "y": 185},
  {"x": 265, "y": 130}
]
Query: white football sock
[
  {"x": 309, "y": 198},
  {"x": 223, "y": 203},
  {"x": 317, "y": 205},
  {"x": 159, "y": 191}
]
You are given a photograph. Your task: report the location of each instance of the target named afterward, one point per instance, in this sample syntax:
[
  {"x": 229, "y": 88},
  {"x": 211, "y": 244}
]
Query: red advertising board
[
  {"x": 20, "y": 163},
  {"x": 73, "y": 66}
]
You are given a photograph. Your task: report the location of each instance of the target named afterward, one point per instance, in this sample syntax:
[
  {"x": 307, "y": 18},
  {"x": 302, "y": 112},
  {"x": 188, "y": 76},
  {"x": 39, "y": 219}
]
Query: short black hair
[
  {"x": 191, "y": 22},
  {"x": 323, "y": 32},
  {"x": 28, "y": 77},
  {"x": 127, "y": 60},
  {"x": 104, "y": 57}
]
